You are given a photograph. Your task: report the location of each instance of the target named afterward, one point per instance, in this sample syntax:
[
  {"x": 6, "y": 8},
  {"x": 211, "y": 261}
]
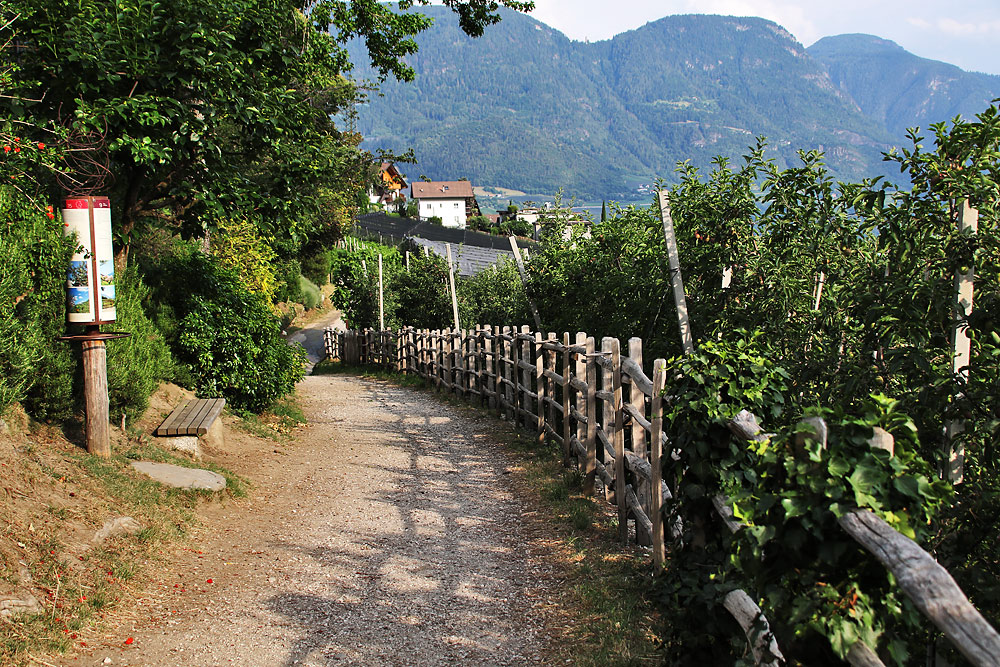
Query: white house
[{"x": 452, "y": 201}]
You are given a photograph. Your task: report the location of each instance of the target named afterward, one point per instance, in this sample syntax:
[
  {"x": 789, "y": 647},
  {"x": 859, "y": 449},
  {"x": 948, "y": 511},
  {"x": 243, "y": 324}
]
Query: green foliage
[
  {"x": 608, "y": 279},
  {"x": 422, "y": 292},
  {"x": 355, "y": 280},
  {"x": 317, "y": 264},
  {"x": 34, "y": 368},
  {"x": 311, "y": 297},
  {"x": 227, "y": 337},
  {"x": 137, "y": 364},
  {"x": 494, "y": 296},
  {"x": 237, "y": 245},
  {"x": 820, "y": 590}
]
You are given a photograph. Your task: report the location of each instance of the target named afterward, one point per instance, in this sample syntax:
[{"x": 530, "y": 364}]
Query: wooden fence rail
[{"x": 606, "y": 415}]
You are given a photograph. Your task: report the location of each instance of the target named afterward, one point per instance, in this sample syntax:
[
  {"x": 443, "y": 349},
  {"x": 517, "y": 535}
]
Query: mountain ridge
[{"x": 525, "y": 107}]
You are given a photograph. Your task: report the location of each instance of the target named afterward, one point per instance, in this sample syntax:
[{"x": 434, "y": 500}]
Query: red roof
[{"x": 441, "y": 190}]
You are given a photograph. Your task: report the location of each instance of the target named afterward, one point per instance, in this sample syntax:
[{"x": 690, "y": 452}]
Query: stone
[
  {"x": 123, "y": 525},
  {"x": 215, "y": 438},
  {"x": 25, "y": 604},
  {"x": 181, "y": 443},
  {"x": 180, "y": 477}
]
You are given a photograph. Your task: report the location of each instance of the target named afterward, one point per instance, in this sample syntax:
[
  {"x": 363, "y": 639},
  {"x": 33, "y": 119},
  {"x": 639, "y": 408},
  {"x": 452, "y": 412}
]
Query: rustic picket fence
[{"x": 606, "y": 414}]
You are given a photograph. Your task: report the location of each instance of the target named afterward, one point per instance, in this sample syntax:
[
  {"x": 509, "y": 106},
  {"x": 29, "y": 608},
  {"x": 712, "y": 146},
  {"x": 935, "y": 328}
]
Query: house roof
[{"x": 442, "y": 190}]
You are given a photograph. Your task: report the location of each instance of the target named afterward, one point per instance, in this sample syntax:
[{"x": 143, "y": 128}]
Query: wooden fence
[{"x": 606, "y": 414}]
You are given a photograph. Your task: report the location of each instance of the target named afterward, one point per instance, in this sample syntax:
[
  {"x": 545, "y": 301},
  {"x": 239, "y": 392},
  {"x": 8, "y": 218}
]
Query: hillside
[
  {"x": 898, "y": 89},
  {"x": 526, "y": 108}
]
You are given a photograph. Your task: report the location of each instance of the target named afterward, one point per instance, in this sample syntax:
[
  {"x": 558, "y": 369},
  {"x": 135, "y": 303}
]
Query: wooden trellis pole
[
  {"x": 451, "y": 284},
  {"x": 524, "y": 281},
  {"x": 674, "y": 261},
  {"x": 968, "y": 223},
  {"x": 381, "y": 300}
]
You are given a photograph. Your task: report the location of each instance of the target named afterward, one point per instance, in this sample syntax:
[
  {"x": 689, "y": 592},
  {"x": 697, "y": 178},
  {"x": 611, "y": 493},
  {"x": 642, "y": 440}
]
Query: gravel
[{"x": 385, "y": 534}]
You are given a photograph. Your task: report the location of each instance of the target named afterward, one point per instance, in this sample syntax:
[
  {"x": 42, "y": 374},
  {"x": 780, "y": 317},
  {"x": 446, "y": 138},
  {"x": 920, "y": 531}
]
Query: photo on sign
[
  {"x": 77, "y": 274},
  {"x": 107, "y": 297},
  {"x": 79, "y": 300},
  {"x": 106, "y": 267}
]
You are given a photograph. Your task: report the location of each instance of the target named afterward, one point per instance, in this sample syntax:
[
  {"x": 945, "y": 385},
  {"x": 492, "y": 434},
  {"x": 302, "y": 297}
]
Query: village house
[
  {"x": 452, "y": 201},
  {"x": 389, "y": 186}
]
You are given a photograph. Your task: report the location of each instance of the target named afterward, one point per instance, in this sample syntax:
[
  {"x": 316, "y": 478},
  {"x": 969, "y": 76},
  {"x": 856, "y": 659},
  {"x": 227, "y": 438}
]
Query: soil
[{"x": 385, "y": 532}]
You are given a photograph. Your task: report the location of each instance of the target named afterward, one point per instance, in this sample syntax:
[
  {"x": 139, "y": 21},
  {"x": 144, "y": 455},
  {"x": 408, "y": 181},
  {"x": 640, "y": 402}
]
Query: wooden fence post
[
  {"x": 608, "y": 420},
  {"x": 526, "y": 380},
  {"x": 550, "y": 383},
  {"x": 580, "y": 396},
  {"x": 655, "y": 455},
  {"x": 637, "y": 436},
  {"x": 567, "y": 369},
  {"x": 540, "y": 387},
  {"x": 381, "y": 301},
  {"x": 451, "y": 285},
  {"x": 590, "y": 468},
  {"x": 612, "y": 347}
]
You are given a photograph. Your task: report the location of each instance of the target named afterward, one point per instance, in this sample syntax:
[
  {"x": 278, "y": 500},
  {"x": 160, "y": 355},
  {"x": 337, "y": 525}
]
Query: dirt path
[{"x": 383, "y": 535}]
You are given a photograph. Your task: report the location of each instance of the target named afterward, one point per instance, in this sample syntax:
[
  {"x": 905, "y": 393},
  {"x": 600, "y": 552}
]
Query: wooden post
[
  {"x": 637, "y": 400},
  {"x": 381, "y": 302},
  {"x": 487, "y": 367},
  {"x": 590, "y": 466},
  {"x": 515, "y": 378},
  {"x": 526, "y": 378},
  {"x": 451, "y": 284},
  {"x": 95, "y": 393},
  {"x": 549, "y": 357},
  {"x": 506, "y": 357},
  {"x": 580, "y": 373},
  {"x": 655, "y": 454},
  {"x": 461, "y": 371},
  {"x": 566, "y": 370},
  {"x": 524, "y": 281},
  {"x": 673, "y": 259},
  {"x": 540, "y": 387},
  {"x": 617, "y": 436},
  {"x": 968, "y": 224},
  {"x": 608, "y": 420}
]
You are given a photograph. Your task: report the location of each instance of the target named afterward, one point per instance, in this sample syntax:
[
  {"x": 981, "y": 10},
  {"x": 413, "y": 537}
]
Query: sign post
[{"x": 90, "y": 289}]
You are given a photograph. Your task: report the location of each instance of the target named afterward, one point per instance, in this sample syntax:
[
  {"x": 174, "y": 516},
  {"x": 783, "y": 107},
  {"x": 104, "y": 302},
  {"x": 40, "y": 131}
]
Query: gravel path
[{"x": 385, "y": 534}]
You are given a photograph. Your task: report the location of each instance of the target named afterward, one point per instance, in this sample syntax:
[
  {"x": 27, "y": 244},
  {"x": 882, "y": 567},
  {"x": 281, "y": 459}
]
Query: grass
[
  {"x": 612, "y": 623},
  {"x": 277, "y": 423},
  {"x": 75, "y": 586}
]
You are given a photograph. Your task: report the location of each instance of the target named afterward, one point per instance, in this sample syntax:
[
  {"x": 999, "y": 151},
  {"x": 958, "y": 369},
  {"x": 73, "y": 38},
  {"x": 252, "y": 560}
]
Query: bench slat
[
  {"x": 192, "y": 418},
  {"x": 183, "y": 413}
]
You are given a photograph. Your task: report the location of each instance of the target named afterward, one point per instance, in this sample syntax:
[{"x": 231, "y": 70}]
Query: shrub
[
  {"x": 311, "y": 297},
  {"x": 35, "y": 368},
  {"x": 316, "y": 266},
  {"x": 137, "y": 364},
  {"x": 238, "y": 245},
  {"x": 225, "y": 336}
]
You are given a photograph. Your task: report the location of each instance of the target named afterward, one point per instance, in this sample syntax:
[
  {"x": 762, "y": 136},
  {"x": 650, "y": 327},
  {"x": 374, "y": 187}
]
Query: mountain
[
  {"x": 901, "y": 90},
  {"x": 525, "y": 108}
]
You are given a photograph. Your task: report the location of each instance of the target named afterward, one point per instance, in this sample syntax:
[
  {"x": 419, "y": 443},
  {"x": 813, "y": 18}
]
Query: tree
[{"x": 213, "y": 106}]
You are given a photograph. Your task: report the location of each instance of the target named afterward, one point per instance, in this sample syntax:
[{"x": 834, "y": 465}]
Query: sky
[{"x": 961, "y": 32}]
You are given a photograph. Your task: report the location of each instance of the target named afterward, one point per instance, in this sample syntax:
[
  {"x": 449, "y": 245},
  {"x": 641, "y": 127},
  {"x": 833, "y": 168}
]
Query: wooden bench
[{"x": 192, "y": 418}]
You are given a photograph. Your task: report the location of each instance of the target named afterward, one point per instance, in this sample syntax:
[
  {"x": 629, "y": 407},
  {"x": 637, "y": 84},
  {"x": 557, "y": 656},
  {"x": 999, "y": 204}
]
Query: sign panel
[{"x": 90, "y": 280}]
